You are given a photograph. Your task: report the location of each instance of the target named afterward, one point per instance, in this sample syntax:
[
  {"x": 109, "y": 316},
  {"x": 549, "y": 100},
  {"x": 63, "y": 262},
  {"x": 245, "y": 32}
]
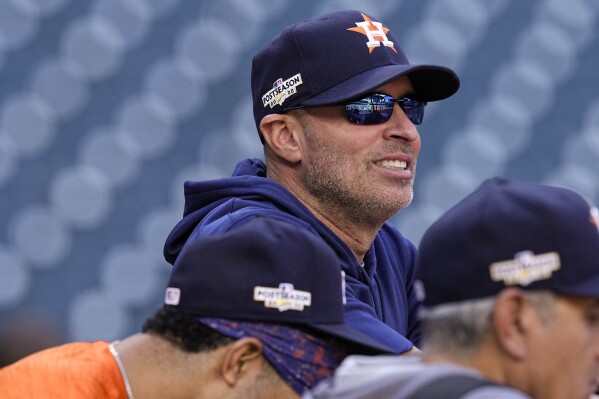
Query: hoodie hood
[
  {"x": 207, "y": 202},
  {"x": 373, "y": 291}
]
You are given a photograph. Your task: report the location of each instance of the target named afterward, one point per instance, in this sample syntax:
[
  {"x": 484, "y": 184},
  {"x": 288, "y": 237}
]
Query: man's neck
[
  {"x": 155, "y": 368},
  {"x": 356, "y": 230},
  {"x": 356, "y": 236},
  {"x": 485, "y": 360}
]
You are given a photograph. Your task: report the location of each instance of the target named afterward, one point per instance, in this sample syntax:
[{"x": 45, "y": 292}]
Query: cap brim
[
  {"x": 366, "y": 344},
  {"x": 587, "y": 288},
  {"x": 430, "y": 82}
]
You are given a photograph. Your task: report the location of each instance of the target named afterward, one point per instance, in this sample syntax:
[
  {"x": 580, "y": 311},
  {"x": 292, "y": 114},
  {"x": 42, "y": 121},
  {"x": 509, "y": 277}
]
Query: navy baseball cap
[
  {"x": 265, "y": 271},
  {"x": 334, "y": 58},
  {"x": 508, "y": 234}
]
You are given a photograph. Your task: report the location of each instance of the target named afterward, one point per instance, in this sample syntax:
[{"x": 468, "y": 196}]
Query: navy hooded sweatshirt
[{"x": 381, "y": 301}]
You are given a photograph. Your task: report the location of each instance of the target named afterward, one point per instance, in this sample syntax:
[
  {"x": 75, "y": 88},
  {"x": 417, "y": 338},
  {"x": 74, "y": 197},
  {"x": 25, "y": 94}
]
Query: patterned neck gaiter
[{"x": 300, "y": 358}]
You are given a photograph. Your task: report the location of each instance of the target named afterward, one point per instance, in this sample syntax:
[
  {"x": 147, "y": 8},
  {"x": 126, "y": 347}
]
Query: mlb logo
[
  {"x": 172, "y": 296},
  {"x": 277, "y": 82}
]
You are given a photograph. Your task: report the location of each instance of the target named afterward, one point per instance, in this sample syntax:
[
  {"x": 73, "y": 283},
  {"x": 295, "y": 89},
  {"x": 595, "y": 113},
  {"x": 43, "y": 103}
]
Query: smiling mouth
[{"x": 392, "y": 164}]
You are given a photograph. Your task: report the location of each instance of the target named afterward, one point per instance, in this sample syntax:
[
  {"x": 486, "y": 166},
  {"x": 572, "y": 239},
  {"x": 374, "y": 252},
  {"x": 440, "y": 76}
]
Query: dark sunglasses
[{"x": 377, "y": 108}]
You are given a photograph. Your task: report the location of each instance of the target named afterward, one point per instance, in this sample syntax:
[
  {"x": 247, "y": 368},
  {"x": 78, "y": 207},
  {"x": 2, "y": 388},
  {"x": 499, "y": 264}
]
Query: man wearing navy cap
[
  {"x": 336, "y": 104},
  {"x": 509, "y": 279},
  {"x": 253, "y": 313}
]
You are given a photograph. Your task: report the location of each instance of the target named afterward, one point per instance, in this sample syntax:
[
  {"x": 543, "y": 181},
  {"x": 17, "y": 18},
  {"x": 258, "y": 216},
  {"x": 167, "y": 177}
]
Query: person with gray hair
[{"x": 509, "y": 283}]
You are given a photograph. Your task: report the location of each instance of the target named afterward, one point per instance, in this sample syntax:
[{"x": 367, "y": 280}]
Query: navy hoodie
[{"x": 381, "y": 301}]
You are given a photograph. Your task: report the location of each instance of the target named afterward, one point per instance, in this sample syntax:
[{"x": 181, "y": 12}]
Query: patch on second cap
[
  {"x": 525, "y": 268},
  {"x": 283, "y": 298}
]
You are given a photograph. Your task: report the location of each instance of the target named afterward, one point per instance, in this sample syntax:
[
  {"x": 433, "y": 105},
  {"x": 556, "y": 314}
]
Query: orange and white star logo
[{"x": 375, "y": 32}]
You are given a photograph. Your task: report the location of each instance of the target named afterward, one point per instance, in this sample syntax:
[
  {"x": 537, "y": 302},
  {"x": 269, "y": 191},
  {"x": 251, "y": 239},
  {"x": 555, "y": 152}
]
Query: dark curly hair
[{"x": 184, "y": 331}]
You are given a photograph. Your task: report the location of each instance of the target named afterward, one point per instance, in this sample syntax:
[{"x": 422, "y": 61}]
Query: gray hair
[{"x": 460, "y": 327}]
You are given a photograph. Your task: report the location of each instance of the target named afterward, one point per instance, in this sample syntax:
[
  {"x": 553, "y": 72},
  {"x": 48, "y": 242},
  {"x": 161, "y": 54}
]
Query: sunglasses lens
[
  {"x": 413, "y": 109},
  {"x": 378, "y": 108},
  {"x": 371, "y": 110}
]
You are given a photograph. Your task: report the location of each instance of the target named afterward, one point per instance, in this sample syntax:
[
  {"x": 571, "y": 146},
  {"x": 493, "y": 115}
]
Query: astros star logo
[{"x": 375, "y": 32}]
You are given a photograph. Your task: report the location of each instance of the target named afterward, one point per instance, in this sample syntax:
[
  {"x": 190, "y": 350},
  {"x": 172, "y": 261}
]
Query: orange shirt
[{"x": 76, "y": 370}]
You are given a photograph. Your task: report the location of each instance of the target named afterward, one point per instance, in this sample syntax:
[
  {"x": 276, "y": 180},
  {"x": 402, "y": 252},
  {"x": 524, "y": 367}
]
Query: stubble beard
[{"x": 355, "y": 198}]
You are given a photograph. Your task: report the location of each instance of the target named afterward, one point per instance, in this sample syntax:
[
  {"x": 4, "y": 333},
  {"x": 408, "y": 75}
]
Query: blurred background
[{"x": 108, "y": 106}]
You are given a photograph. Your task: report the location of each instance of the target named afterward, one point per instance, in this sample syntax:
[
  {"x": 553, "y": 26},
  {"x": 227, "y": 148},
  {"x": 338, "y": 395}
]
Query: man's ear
[
  {"x": 242, "y": 358},
  {"x": 281, "y": 134},
  {"x": 512, "y": 322}
]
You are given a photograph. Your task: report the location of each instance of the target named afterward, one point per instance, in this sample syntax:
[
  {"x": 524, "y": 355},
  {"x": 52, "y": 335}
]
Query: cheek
[
  {"x": 570, "y": 350},
  {"x": 416, "y": 146},
  {"x": 337, "y": 153}
]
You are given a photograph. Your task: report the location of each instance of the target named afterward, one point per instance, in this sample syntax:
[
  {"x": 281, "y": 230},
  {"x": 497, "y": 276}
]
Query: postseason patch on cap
[
  {"x": 281, "y": 90},
  {"x": 286, "y": 297},
  {"x": 525, "y": 268}
]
